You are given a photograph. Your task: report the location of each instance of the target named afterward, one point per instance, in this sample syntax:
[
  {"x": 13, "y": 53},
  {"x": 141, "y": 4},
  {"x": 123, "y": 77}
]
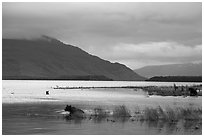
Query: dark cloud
[{"x": 99, "y": 27}]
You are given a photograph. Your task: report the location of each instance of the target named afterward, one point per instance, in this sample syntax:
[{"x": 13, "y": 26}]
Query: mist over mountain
[
  {"x": 48, "y": 58},
  {"x": 187, "y": 69}
]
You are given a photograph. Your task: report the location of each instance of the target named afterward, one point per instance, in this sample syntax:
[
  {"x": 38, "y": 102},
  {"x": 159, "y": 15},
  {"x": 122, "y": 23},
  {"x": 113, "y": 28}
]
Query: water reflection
[
  {"x": 73, "y": 120},
  {"x": 192, "y": 124}
]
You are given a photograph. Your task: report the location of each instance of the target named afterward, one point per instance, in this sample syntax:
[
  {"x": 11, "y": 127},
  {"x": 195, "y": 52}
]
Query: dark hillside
[{"x": 48, "y": 58}]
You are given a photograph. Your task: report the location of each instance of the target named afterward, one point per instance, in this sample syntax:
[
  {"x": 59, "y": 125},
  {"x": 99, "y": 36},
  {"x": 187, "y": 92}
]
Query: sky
[{"x": 135, "y": 34}]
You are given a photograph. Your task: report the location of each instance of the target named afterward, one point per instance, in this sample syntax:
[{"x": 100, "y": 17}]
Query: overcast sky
[{"x": 135, "y": 34}]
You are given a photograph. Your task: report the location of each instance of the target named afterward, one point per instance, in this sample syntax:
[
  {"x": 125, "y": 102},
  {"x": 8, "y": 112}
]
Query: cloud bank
[
  {"x": 153, "y": 52},
  {"x": 107, "y": 29}
]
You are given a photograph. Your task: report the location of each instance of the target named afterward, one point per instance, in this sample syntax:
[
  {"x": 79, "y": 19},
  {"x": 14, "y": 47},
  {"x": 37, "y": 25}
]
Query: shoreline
[{"x": 194, "y": 90}]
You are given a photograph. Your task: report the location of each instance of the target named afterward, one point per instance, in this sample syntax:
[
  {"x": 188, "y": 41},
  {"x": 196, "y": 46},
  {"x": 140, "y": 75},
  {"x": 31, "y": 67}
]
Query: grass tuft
[
  {"x": 171, "y": 115},
  {"x": 121, "y": 111},
  {"x": 100, "y": 112}
]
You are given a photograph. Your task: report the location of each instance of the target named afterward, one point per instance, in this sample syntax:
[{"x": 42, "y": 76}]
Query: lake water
[{"x": 27, "y": 109}]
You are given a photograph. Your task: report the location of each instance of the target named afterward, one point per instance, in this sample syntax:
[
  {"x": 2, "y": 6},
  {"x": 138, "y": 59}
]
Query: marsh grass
[
  {"x": 171, "y": 115},
  {"x": 100, "y": 112},
  {"x": 191, "y": 114},
  {"x": 152, "y": 114},
  {"x": 169, "y": 119},
  {"x": 121, "y": 111},
  {"x": 148, "y": 114},
  {"x": 171, "y": 91}
]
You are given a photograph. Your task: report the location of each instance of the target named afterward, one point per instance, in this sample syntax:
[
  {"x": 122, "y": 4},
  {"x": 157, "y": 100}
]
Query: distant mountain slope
[
  {"x": 189, "y": 69},
  {"x": 48, "y": 58}
]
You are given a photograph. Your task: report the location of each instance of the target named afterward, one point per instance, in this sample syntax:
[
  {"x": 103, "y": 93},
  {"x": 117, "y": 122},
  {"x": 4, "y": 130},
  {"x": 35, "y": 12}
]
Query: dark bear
[{"x": 74, "y": 112}]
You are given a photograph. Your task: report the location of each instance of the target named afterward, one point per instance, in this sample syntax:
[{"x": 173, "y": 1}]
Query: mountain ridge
[{"x": 49, "y": 58}]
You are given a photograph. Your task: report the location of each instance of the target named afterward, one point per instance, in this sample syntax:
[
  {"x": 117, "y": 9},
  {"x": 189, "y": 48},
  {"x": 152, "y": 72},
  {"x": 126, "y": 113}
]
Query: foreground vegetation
[
  {"x": 172, "y": 115},
  {"x": 189, "y": 118},
  {"x": 167, "y": 114}
]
